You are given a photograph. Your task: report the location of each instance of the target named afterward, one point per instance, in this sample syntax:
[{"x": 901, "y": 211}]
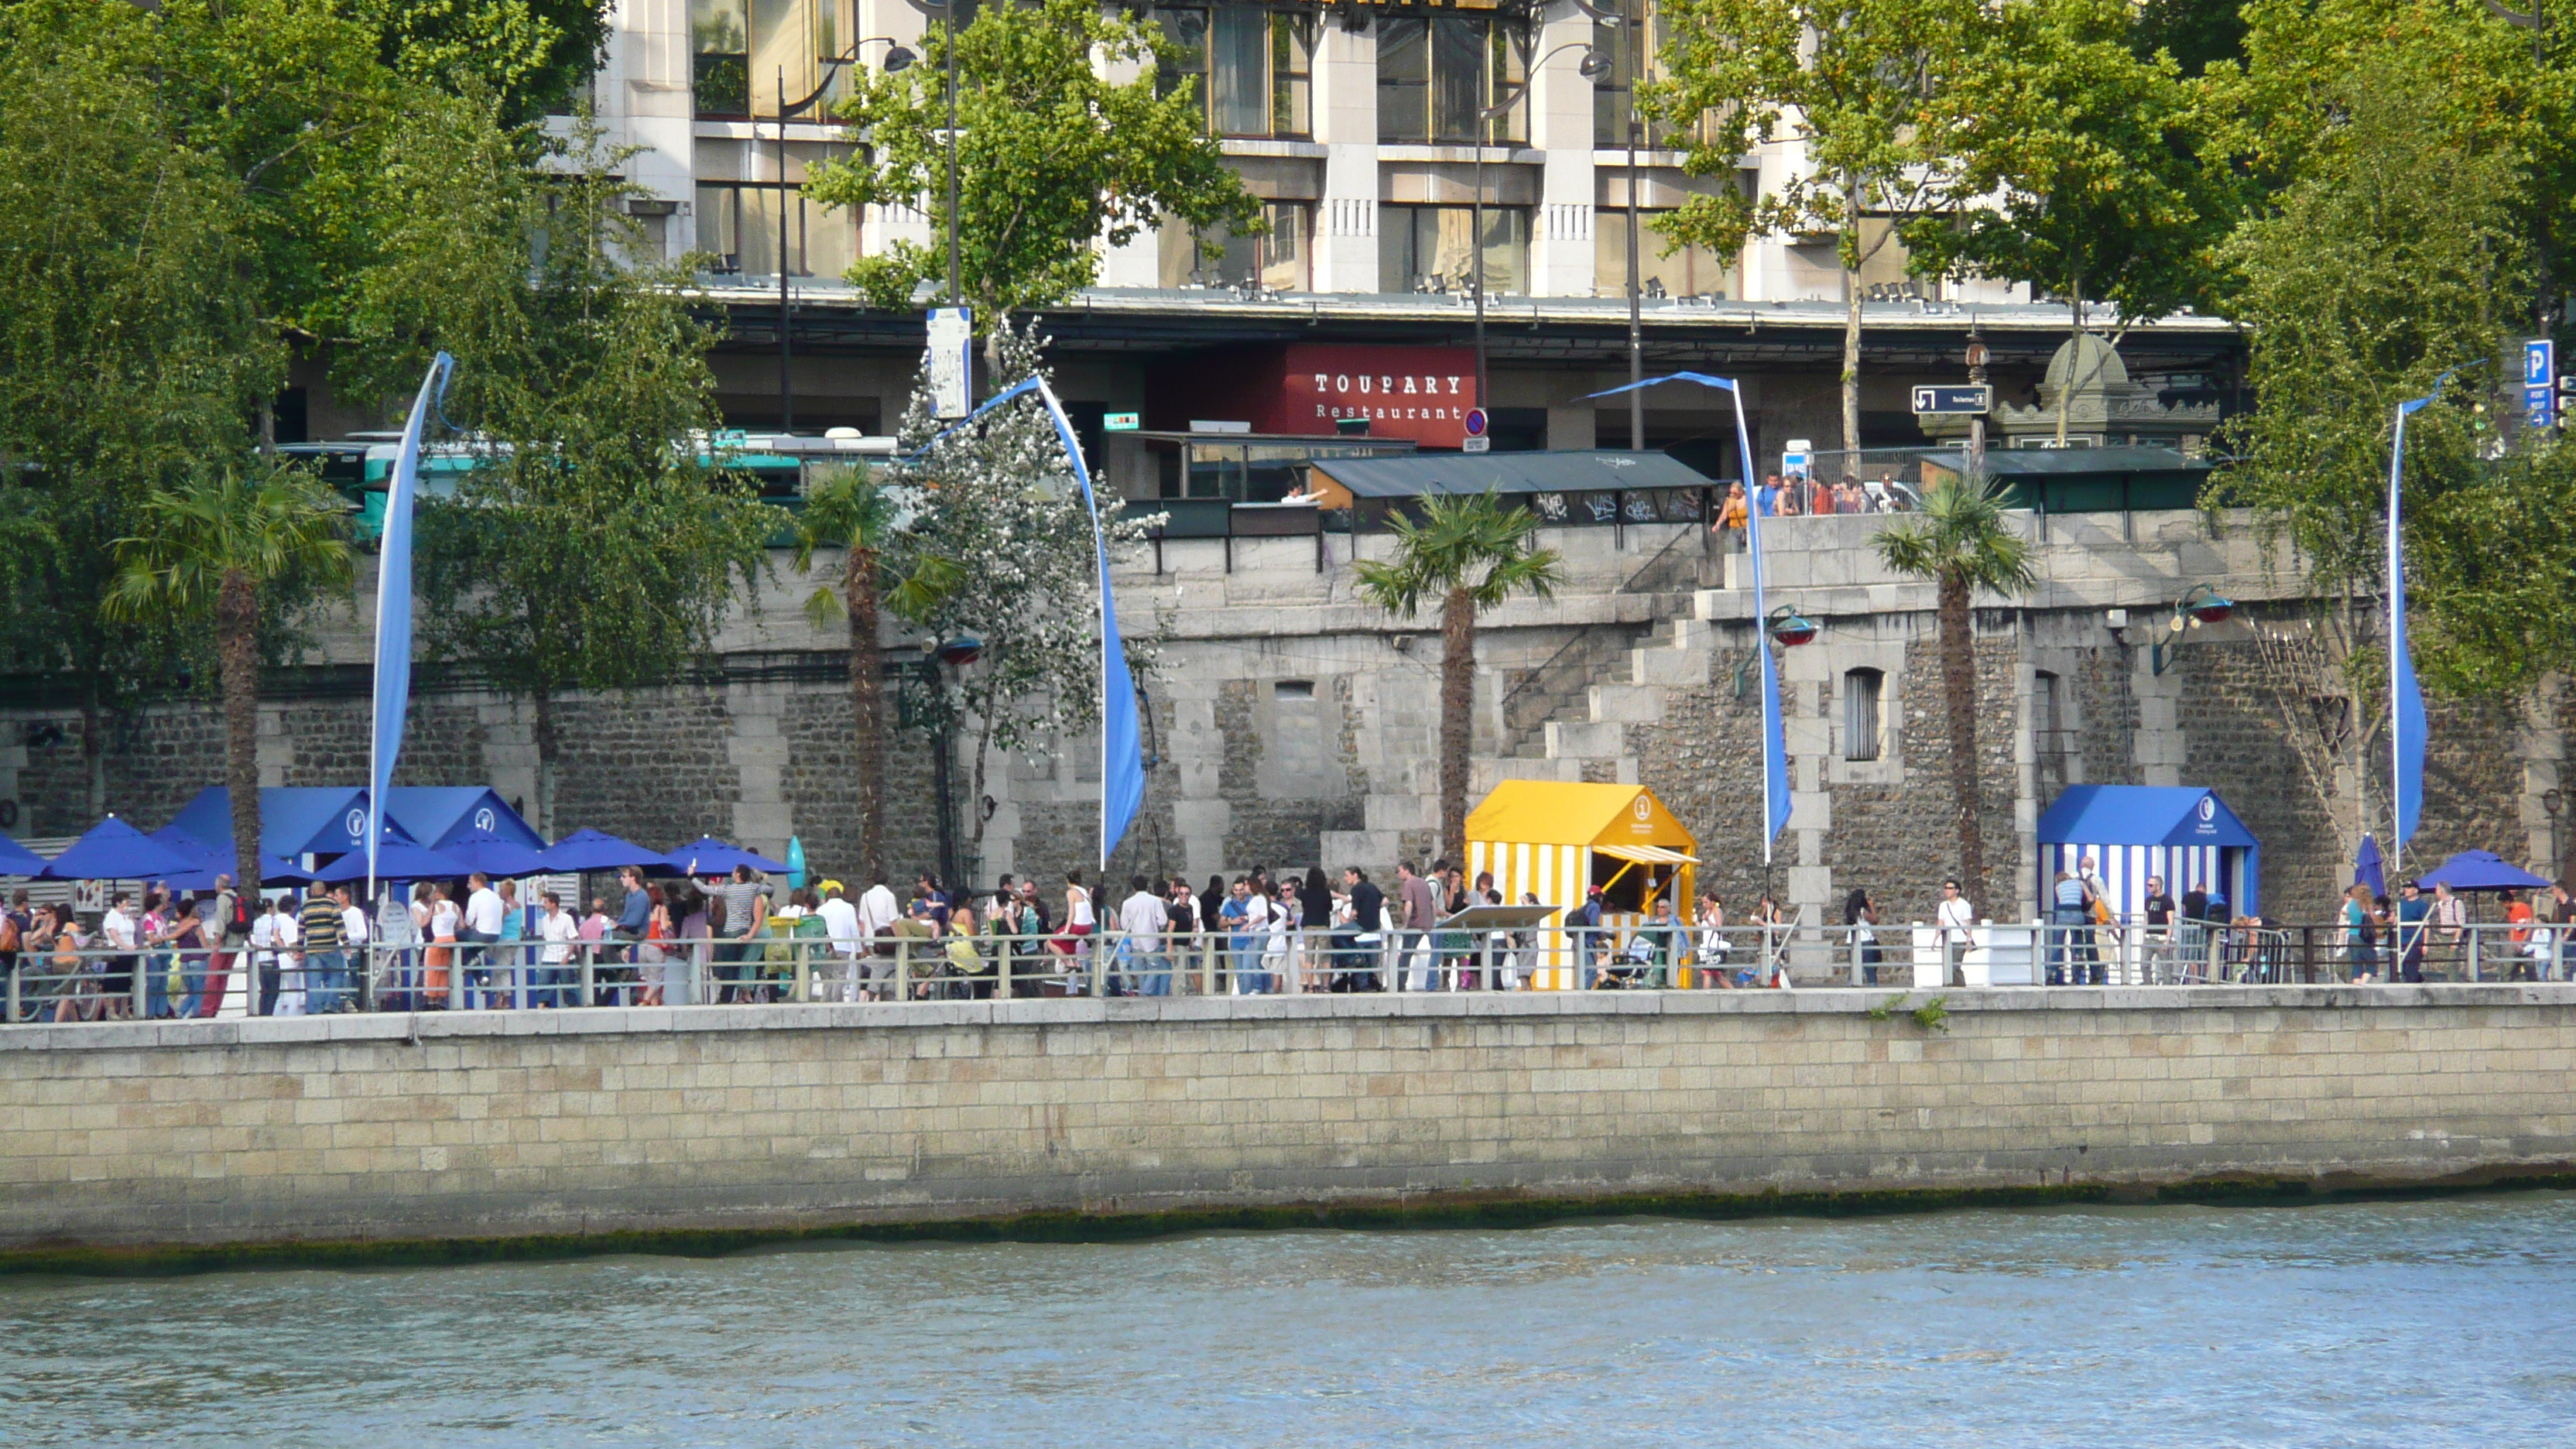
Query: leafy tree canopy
[
  {"x": 533, "y": 56},
  {"x": 1054, "y": 156},
  {"x": 2079, "y": 168},
  {"x": 592, "y": 548}
]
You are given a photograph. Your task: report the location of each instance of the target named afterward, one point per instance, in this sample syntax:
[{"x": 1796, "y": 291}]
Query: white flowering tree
[{"x": 998, "y": 548}]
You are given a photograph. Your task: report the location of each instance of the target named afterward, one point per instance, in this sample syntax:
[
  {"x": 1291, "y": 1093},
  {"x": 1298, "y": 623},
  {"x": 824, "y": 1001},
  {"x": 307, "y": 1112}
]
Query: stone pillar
[
  {"x": 2159, "y": 744},
  {"x": 757, "y": 749},
  {"x": 1560, "y": 127},
  {"x": 1345, "y": 102}
]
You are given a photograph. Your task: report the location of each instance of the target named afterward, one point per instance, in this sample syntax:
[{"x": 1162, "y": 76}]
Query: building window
[
  {"x": 1689, "y": 272},
  {"x": 1427, "y": 248},
  {"x": 1864, "y": 714},
  {"x": 1217, "y": 258},
  {"x": 744, "y": 51},
  {"x": 1436, "y": 73},
  {"x": 738, "y": 223},
  {"x": 1253, "y": 68}
]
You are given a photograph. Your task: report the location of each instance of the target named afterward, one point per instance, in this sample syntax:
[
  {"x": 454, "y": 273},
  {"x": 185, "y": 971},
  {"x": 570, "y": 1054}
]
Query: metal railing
[{"x": 95, "y": 983}]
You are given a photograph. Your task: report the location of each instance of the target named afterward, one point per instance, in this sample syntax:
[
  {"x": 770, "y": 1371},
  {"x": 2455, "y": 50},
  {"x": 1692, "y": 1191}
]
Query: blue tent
[
  {"x": 2184, "y": 834},
  {"x": 114, "y": 850},
  {"x": 294, "y": 821},
  {"x": 436, "y": 815},
  {"x": 2481, "y": 870},
  {"x": 328, "y": 819},
  {"x": 214, "y": 860}
]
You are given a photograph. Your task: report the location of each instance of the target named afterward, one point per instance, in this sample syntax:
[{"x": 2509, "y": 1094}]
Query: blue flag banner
[
  {"x": 2405, "y": 696},
  {"x": 1775, "y": 753},
  {"x": 1122, "y": 747},
  {"x": 393, "y": 608}
]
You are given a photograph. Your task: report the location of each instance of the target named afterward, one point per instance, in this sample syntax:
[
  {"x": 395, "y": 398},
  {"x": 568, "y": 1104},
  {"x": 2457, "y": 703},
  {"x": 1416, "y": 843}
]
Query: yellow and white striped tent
[{"x": 1554, "y": 839}]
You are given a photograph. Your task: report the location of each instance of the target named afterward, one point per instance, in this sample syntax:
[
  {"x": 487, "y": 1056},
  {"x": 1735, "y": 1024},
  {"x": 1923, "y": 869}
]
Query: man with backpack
[{"x": 226, "y": 931}]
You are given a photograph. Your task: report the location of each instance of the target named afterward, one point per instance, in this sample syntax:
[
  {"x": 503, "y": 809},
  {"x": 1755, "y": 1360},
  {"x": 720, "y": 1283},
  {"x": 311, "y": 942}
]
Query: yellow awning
[
  {"x": 1568, "y": 812},
  {"x": 1645, "y": 854}
]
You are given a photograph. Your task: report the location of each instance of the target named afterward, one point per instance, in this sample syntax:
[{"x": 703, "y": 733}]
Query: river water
[{"x": 2402, "y": 1324}]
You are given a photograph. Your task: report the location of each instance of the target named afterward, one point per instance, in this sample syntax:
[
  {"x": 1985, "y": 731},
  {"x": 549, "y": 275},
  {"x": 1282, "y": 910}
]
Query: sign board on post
[
  {"x": 2539, "y": 379},
  {"x": 1797, "y": 455},
  {"x": 1119, "y": 422},
  {"x": 1972, "y": 401},
  {"x": 952, "y": 366},
  {"x": 1476, "y": 445}
]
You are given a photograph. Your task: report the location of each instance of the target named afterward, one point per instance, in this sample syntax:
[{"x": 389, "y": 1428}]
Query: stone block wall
[{"x": 473, "y": 1125}]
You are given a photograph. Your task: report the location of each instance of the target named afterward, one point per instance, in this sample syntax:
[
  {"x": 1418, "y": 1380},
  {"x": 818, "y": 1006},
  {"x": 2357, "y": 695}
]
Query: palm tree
[
  {"x": 1471, "y": 554},
  {"x": 227, "y": 547},
  {"x": 848, "y": 511},
  {"x": 1961, "y": 541}
]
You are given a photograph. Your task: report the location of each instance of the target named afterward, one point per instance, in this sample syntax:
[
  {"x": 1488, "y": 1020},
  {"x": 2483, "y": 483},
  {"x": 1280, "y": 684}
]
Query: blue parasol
[
  {"x": 114, "y": 850},
  {"x": 588, "y": 849},
  {"x": 16, "y": 859},
  {"x": 2481, "y": 870},
  {"x": 494, "y": 855},
  {"x": 707, "y": 855},
  {"x": 395, "y": 860}
]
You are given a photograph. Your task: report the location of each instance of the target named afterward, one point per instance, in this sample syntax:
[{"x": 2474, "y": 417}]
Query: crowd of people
[
  {"x": 1796, "y": 495},
  {"x": 478, "y": 944}
]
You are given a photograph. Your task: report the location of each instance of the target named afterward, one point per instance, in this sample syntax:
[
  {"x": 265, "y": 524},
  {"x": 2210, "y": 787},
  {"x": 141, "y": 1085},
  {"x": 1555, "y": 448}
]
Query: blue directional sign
[
  {"x": 2539, "y": 382},
  {"x": 1969, "y": 401}
]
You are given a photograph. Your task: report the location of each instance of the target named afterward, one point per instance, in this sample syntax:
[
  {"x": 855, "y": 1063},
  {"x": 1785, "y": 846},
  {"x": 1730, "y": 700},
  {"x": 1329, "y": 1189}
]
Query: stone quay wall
[{"x": 392, "y": 1128}]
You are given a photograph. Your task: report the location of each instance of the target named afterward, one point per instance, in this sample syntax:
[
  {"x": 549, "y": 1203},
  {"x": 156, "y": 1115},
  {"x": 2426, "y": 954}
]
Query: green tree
[
  {"x": 591, "y": 547},
  {"x": 223, "y": 551},
  {"x": 1863, "y": 84},
  {"x": 131, "y": 349},
  {"x": 999, "y": 549},
  {"x": 2195, "y": 33},
  {"x": 1960, "y": 542},
  {"x": 2078, "y": 168},
  {"x": 849, "y": 512},
  {"x": 2397, "y": 258},
  {"x": 1469, "y": 553},
  {"x": 533, "y": 56},
  {"x": 1052, "y": 158}
]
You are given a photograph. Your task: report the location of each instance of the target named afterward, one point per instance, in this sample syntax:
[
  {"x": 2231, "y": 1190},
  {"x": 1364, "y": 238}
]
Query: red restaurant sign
[{"x": 1422, "y": 393}]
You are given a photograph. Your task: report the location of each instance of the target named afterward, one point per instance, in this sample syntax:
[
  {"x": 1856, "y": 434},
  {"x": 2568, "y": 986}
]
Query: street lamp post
[
  {"x": 897, "y": 58},
  {"x": 1976, "y": 423},
  {"x": 1593, "y": 65}
]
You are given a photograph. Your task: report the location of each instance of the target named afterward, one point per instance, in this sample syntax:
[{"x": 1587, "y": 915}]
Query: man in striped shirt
[{"x": 326, "y": 968}]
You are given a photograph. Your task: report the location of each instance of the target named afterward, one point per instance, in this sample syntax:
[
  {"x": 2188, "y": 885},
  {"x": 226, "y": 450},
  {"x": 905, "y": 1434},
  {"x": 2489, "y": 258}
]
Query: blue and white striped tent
[{"x": 2186, "y": 835}]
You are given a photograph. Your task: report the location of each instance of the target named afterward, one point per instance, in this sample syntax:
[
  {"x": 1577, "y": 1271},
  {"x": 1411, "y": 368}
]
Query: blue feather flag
[{"x": 1775, "y": 753}]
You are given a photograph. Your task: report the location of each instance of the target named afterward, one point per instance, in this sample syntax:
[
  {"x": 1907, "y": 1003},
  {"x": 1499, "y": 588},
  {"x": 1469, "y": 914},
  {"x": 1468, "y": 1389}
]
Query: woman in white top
[
  {"x": 445, "y": 917},
  {"x": 1078, "y": 923},
  {"x": 1282, "y": 926},
  {"x": 290, "y": 963}
]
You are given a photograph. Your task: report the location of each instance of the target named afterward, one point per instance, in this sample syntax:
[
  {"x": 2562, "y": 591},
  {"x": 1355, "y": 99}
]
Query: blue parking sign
[{"x": 2539, "y": 382}]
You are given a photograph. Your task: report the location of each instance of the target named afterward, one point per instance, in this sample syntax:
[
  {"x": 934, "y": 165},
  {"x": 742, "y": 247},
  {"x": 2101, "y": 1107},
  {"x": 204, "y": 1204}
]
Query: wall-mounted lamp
[
  {"x": 1786, "y": 628},
  {"x": 2203, "y": 605}
]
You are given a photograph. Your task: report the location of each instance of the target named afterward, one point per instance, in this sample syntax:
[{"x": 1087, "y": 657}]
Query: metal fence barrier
[{"x": 97, "y": 984}]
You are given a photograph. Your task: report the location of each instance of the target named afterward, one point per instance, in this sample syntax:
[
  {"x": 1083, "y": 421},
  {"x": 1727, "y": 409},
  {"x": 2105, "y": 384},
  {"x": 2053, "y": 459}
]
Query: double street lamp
[
  {"x": 898, "y": 58},
  {"x": 1593, "y": 66}
]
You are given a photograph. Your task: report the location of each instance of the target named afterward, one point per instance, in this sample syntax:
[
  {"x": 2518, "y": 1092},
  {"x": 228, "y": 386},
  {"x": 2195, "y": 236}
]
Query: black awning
[{"x": 1597, "y": 470}]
